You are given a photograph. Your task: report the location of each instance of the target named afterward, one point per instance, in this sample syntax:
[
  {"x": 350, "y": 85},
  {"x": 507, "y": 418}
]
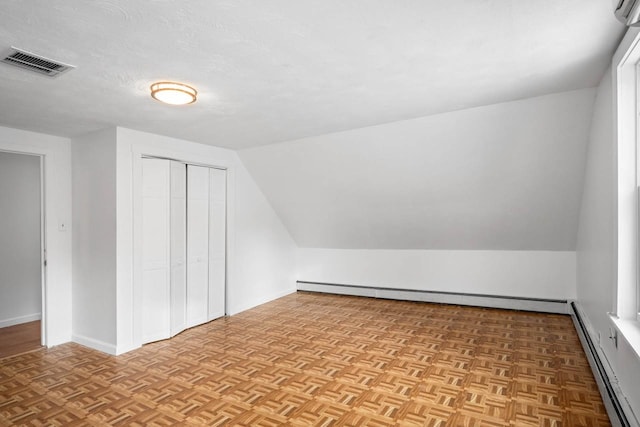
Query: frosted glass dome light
[{"x": 173, "y": 93}]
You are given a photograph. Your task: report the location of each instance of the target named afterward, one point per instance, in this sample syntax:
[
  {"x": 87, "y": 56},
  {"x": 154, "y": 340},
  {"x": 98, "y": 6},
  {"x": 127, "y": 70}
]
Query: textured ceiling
[{"x": 270, "y": 71}]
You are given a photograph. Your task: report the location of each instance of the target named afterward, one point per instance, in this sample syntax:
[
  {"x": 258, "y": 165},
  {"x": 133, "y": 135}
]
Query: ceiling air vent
[{"x": 38, "y": 64}]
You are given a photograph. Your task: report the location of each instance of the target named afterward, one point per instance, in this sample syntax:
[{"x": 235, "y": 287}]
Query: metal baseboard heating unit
[
  {"x": 619, "y": 411},
  {"x": 479, "y": 300}
]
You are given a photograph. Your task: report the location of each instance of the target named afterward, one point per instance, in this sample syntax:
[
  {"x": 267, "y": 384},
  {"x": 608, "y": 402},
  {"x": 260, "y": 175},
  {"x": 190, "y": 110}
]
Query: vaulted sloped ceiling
[
  {"x": 457, "y": 124},
  {"x": 503, "y": 177},
  {"x": 272, "y": 71}
]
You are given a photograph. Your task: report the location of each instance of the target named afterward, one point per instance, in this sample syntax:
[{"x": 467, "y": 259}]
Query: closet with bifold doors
[{"x": 183, "y": 213}]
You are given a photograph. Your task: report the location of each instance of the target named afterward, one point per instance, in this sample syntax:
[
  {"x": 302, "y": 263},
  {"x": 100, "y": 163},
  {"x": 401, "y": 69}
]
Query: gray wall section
[
  {"x": 20, "y": 270},
  {"x": 595, "y": 249},
  {"x": 94, "y": 237}
]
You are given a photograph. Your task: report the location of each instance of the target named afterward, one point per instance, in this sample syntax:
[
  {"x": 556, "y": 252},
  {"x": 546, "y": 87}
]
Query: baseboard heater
[
  {"x": 544, "y": 305},
  {"x": 616, "y": 405}
]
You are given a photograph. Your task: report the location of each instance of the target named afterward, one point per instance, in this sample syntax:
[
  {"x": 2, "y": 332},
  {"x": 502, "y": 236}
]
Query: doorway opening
[{"x": 22, "y": 253}]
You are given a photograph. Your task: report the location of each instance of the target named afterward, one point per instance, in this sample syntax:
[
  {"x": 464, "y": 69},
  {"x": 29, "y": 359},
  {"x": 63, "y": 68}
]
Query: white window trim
[{"x": 625, "y": 113}]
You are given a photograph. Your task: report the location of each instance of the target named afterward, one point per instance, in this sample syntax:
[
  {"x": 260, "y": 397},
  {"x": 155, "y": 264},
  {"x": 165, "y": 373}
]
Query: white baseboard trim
[
  {"x": 94, "y": 344},
  {"x": 491, "y": 301},
  {"x": 20, "y": 319},
  {"x": 618, "y": 408}
]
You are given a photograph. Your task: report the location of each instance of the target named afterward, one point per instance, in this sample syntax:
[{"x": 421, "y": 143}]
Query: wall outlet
[{"x": 613, "y": 336}]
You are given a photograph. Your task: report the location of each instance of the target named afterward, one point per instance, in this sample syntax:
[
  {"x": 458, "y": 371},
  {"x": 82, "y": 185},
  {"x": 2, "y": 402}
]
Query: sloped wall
[
  {"x": 265, "y": 252},
  {"x": 484, "y": 200},
  {"x": 500, "y": 177}
]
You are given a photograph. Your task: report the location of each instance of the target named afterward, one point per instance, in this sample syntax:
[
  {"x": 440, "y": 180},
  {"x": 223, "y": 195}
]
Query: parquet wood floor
[
  {"x": 322, "y": 360},
  {"x": 19, "y": 338}
]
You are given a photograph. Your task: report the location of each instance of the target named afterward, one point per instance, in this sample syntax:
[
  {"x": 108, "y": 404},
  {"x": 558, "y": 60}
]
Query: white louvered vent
[{"x": 36, "y": 63}]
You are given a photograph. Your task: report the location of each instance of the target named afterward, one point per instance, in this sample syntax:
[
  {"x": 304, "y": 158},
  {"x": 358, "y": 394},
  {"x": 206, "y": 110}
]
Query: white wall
[
  {"x": 533, "y": 274},
  {"x": 261, "y": 254},
  {"x": 57, "y": 177},
  {"x": 499, "y": 177},
  {"x": 94, "y": 239},
  {"x": 265, "y": 252},
  {"x": 483, "y": 200},
  {"x": 595, "y": 246},
  {"x": 20, "y": 257}
]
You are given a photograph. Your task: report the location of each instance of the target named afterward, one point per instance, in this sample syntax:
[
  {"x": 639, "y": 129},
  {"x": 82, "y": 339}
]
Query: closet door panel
[
  {"x": 217, "y": 242},
  {"x": 155, "y": 250},
  {"x": 197, "y": 245},
  {"x": 178, "y": 247}
]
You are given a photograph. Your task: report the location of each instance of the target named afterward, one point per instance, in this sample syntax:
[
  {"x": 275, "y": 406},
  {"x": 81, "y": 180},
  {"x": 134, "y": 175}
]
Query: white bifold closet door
[
  {"x": 183, "y": 247},
  {"x": 217, "y": 242},
  {"x": 197, "y": 244},
  {"x": 178, "y": 249},
  {"x": 156, "y": 274}
]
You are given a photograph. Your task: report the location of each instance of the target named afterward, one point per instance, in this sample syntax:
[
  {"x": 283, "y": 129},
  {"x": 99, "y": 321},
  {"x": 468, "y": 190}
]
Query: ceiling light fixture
[{"x": 173, "y": 93}]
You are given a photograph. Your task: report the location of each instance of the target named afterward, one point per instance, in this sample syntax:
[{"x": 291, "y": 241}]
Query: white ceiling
[
  {"x": 270, "y": 71},
  {"x": 457, "y": 124}
]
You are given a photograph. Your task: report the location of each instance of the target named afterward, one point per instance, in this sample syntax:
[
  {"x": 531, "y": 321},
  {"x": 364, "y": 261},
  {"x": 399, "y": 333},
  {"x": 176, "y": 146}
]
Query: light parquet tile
[{"x": 321, "y": 360}]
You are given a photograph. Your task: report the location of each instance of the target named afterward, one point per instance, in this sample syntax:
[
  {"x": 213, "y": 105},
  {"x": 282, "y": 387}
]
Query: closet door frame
[{"x": 135, "y": 315}]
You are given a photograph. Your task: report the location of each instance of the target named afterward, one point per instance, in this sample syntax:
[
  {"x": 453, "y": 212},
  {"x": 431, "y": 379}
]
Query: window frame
[{"x": 626, "y": 126}]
